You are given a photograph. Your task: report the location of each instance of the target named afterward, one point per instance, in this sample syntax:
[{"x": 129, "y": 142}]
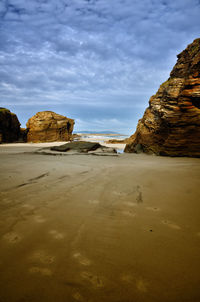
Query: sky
[{"x": 96, "y": 61}]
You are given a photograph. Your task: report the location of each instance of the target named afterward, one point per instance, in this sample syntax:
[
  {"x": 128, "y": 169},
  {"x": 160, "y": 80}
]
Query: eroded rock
[
  {"x": 9, "y": 126},
  {"x": 48, "y": 126},
  {"x": 171, "y": 123},
  {"x": 78, "y": 147},
  {"x": 118, "y": 141}
]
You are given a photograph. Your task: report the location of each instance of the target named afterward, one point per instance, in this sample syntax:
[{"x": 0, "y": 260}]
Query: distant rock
[
  {"x": 48, "y": 126},
  {"x": 118, "y": 141},
  {"x": 76, "y": 137},
  {"x": 9, "y": 126},
  {"x": 171, "y": 123}
]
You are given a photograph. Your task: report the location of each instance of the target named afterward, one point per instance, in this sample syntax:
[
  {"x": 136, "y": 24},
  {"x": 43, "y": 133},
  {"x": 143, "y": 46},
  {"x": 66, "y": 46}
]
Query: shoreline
[
  {"x": 97, "y": 228},
  {"x": 88, "y": 138}
]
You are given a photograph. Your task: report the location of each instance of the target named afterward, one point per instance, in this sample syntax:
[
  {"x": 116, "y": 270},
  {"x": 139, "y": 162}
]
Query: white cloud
[{"x": 104, "y": 54}]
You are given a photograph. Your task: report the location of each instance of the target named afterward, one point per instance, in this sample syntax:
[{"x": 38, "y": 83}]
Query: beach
[{"x": 121, "y": 228}]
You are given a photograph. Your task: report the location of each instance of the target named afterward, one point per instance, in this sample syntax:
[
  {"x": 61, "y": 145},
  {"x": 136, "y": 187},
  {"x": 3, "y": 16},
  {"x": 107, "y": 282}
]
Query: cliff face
[
  {"x": 48, "y": 126},
  {"x": 9, "y": 126},
  {"x": 171, "y": 123}
]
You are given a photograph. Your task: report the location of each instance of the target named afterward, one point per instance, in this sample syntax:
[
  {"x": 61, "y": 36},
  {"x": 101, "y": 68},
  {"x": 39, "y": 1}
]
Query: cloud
[{"x": 98, "y": 53}]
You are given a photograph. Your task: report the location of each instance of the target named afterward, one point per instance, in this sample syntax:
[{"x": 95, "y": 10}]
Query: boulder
[
  {"x": 48, "y": 126},
  {"x": 85, "y": 148},
  {"x": 80, "y": 146},
  {"x": 9, "y": 126},
  {"x": 171, "y": 124}
]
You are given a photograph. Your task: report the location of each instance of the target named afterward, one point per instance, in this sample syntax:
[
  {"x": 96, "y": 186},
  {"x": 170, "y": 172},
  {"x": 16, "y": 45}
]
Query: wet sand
[{"x": 94, "y": 228}]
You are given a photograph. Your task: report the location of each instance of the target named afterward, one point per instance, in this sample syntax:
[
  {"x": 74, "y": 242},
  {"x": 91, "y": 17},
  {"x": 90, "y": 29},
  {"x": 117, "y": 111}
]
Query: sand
[{"x": 94, "y": 228}]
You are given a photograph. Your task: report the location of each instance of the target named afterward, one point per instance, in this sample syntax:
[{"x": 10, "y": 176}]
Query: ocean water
[{"x": 103, "y": 138}]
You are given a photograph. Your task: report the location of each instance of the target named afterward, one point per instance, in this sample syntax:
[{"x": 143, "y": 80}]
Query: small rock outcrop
[
  {"x": 78, "y": 147},
  {"x": 118, "y": 141},
  {"x": 9, "y": 126},
  {"x": 171, "y": 124},
  {"x": 48, "y": 126},
  {"x": 84, "y": 148}
]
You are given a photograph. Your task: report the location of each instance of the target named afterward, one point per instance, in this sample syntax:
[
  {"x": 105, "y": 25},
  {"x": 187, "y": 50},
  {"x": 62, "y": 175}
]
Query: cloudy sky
[{"x": 97, "y": 61}]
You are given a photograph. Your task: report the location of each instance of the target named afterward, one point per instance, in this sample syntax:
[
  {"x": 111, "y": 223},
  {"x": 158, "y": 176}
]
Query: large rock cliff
[
  {"x": 171, "y": 123},
  {"x": 9, "y": 126},
  {"x": 48, "y": 126}
]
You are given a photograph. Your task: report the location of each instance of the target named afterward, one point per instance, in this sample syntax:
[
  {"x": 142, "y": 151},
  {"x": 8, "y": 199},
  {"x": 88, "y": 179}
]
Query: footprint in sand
[
  {"x": 140, "y": 284},
  {"x": 139, "y": 197},
  {"x": 154, "y": 209},
  {"x": 171, "y": 224},
  {"x": 129, "y": 213},
  {"x": 12, "y": 237},
  {"x": 56, "y": 235},
  {"x": 39, "y": 219},
  {"x": 77, "y": 296},
  {"x": 81, "y": 259},
  {"x": 42, "y": 257},
  {"x": 27, "y": 206},
  {"x": 119, "y": 193},
  {"x": 93, "y": 201},
  {"x": 94, "y": 280},
  {"x": 127, "y": 278},
  {"x": 130, "y": 204},
  {"x": 41, "y": 270},
  {"x": 7, "y": 200}
]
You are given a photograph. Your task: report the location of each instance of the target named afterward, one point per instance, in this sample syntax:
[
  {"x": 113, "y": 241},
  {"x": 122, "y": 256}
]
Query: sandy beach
[{"x": 92, "y": 228}]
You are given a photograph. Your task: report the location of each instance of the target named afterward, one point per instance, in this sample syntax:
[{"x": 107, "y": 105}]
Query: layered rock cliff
[
  {"x": 9, "y": 126},
  {"x": 171, "y": 123},
  {"x": 48, "y": 126}
]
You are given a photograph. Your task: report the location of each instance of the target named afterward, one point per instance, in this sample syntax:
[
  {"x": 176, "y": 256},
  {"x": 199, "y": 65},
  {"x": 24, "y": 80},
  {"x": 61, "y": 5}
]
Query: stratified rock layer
[
  {"x": 48, "y": 126},
  {"x": 9, "y": 126},
  {"x": 171, "y": 123}
]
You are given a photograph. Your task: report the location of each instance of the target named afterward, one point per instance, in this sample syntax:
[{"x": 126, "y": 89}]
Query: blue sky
[{"x": 97, "y": 61}]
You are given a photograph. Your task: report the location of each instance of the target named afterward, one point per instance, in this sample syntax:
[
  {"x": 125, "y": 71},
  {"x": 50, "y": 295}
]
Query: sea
[{"x": 102, "y": 138}]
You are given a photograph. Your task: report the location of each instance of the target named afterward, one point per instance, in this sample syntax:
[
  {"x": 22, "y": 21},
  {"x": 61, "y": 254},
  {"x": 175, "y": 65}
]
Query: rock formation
[
  {"x": 23, "y": 135},
  {"x": 9, "y": 126},
  {"x": 171, "y": 123},
  {"x": 48, "y": 126},
  {"x": 118, "y": 141},
  {"x": 79, "y": 147}
]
